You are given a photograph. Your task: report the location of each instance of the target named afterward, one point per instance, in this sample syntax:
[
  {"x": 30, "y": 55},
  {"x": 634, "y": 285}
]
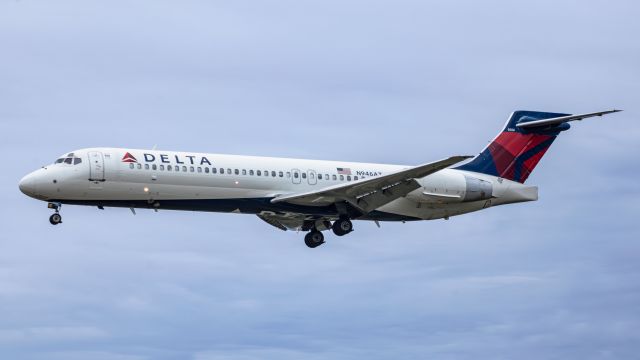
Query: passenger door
[{"x": 96, "y": 166}]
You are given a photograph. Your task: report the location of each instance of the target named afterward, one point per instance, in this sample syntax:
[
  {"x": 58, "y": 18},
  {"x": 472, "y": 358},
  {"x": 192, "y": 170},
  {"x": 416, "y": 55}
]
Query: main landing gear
[
  {"x": 55, "y": 219},
  {"x": 314, "y": 238},
  {"x": 340, "y": 227}
]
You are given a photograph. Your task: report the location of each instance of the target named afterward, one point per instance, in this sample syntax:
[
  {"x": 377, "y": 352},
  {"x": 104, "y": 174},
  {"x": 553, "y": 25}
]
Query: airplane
[{"x": 304, "y": 195}]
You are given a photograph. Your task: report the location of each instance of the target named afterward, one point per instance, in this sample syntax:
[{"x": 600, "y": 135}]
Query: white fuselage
[{"x": 246, "y": 184}]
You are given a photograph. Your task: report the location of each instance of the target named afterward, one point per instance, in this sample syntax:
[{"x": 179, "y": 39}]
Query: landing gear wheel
[
  {"x": 55, "y": 219},
  {"x": 314, "y": 239},
  {"x": 342, "y": 227}
]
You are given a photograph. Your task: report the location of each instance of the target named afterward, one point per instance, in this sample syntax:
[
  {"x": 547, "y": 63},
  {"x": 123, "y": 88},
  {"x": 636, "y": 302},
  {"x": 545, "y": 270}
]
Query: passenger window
[
  {"x": 319, "y": 176},
  {"x": 177, "y": 167},
  {"x": 146, "y": 166},
  {"x": 139, "y": 166},
  {"x": 273, "y": 173},
  {"x": 68, "y": 160},
  {"x": 169, "y": 168},
  {"x": 334, "y": 177},
  {"x": 184, "y": 168},
  {"x": 281, "y": 174},
  {"x": 221, "y": 170},
  {"x": 77, "y": 161},
  {"x": 237, "y": 172},
  {"x": 131, "y": 165},
  {"x": 355, "y": 178},
  {"x": 192, "y": 169},
  {"x": 251, "y": 172},
  {"x": 244, "y": 172},
  {"x": 304, "y": 175},
  {"x": 258, "y": 172},
  {"x": 341, "y": 177},
  {"x": 228, "y": 171},
  {"x": 162, "y": 167},
  {"x": 348, "y": 177},
  {"x": 266, "y": 173},
  {"x": 214, "y": 170},
  {"x": 199, "y": 169},
  {"x": 154, "y": 167},
  {"x": 206, "y": 170},
  {"x": 296, "y": 175},
  {"x": 326, "y": 176},
  {"x": 310, "y": 175},
  {"x": 288, "y": 174}
]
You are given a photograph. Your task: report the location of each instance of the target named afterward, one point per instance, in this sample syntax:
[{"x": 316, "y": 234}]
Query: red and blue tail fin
[{"x": 516, "y": 151}]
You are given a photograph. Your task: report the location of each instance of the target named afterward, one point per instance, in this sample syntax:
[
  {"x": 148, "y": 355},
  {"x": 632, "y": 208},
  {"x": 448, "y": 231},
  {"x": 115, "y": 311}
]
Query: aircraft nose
[{"x": 27, "y": 185}]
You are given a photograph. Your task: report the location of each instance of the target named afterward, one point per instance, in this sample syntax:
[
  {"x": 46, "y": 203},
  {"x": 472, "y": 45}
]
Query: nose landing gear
[{"x": 55, "y": 219}]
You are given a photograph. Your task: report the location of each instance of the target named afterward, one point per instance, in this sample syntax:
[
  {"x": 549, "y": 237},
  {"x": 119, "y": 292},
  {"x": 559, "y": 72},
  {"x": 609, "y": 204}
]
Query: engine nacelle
[
  {"x": 477, "y": 189},
  {"x": 449, "y": 187}
]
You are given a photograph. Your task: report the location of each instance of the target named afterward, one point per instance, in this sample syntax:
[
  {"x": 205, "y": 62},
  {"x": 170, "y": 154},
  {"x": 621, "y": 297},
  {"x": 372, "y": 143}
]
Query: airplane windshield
[{"x": 69, "y": 159}]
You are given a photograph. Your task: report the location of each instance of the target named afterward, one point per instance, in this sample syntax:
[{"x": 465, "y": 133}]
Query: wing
[
  {"x": 562, "y": 119},
  {"x": 295, "y": 221},
  {"x": 369, "y": 194},
  {"x": 275, "y": 221},
  {"x": 283, "y": 221}
]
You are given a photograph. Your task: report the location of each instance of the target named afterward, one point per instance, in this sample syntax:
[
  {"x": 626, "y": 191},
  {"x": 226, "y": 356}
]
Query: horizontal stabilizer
[{"x": 559, "y": 120}]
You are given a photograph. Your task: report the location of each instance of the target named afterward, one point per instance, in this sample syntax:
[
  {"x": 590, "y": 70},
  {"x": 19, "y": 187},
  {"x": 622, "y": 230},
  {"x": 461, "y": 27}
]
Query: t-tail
[{"x": 527, "y": 136}]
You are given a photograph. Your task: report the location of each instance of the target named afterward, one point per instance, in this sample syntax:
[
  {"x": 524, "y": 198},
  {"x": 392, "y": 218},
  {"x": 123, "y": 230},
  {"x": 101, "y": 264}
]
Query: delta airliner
[{"x": 307, "y": 195}]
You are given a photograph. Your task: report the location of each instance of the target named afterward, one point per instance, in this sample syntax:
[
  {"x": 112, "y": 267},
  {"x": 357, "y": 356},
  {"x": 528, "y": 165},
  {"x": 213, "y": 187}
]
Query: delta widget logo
[{"x": 128, "y": 158}]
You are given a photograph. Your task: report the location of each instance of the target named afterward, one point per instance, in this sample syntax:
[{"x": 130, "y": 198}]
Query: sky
[{"x": 404, "y": 82}]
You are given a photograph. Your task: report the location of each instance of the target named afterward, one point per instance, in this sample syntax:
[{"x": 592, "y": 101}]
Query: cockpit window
[{"x": 70, "y": 159}]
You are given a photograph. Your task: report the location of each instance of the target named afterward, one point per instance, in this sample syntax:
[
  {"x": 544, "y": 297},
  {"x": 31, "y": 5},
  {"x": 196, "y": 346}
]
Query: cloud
[
  {"x": 51, "y": 334},
  {"x": 94, "y": 355}
]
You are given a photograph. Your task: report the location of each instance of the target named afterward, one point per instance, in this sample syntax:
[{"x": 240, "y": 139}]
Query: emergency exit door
[
  {"x": 295, "y": 176},
  {"x": 312, "y": 178}
]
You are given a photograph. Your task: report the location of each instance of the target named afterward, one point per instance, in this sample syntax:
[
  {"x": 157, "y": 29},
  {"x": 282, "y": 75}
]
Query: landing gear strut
[
  {"x": 55, "y": 219},
  {"x": 342, "y": 226},
  {"x": 314, "y": 238}
]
